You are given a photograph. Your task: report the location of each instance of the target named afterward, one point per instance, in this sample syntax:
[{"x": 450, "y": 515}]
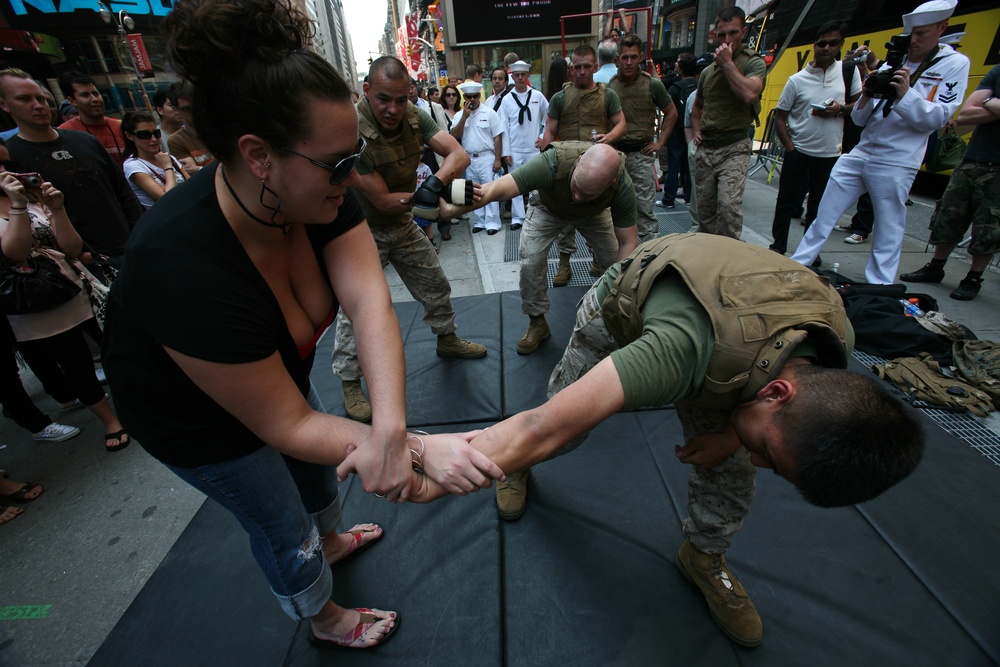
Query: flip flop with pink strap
[
  {"x": 359, "y": 637},
  {"x": 362, "y": 536}
]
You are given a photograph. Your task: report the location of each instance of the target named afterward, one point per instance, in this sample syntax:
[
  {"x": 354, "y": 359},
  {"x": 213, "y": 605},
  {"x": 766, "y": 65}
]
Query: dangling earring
[
  {"x": 283, "y": 225},
  {"x": 276, "y": 209}
]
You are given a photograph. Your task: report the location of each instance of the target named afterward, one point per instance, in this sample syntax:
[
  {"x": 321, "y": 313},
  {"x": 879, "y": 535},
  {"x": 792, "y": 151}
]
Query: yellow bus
[{"x": 870, "y": 22}]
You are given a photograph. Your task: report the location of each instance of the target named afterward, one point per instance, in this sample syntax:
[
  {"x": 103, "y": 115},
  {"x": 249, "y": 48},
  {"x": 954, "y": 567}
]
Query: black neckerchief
[
  {"x": 523, "y": 108},
  {"x": 503, "y": 93}
]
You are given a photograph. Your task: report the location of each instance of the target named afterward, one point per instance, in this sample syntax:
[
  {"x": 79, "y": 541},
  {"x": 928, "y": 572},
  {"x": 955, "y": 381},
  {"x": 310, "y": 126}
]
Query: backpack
[{"x": 679, "y": 92}]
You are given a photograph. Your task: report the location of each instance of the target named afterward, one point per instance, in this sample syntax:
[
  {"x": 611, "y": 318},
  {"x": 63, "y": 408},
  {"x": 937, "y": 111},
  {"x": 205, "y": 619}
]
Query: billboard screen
[
  {"x": 81, "y": 15},
  {"x": 485, "y": 21}
]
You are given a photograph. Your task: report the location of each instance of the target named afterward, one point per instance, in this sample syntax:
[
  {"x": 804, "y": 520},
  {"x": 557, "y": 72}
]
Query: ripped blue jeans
[{"x": 284, "y": 505}]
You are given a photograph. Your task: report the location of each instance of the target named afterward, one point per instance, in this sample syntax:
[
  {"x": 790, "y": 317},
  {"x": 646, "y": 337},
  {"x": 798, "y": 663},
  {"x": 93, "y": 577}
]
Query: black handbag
[{"x": 35, "y": 286}]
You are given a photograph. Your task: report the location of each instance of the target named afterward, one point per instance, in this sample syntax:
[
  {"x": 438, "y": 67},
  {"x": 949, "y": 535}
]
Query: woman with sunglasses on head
[
  {"x": 225, "y": 291},
  {"x": 451, "y": 101},
  {"x": 151, "y": 172}
]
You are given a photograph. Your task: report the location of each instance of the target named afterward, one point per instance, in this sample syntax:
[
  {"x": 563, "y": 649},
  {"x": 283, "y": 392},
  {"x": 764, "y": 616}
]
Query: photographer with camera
[{"x": 915, "y": 92}]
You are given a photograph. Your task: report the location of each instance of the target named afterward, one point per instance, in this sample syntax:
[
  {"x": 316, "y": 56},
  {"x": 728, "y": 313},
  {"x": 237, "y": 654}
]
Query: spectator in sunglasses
[{"x": 151, "y": 172}]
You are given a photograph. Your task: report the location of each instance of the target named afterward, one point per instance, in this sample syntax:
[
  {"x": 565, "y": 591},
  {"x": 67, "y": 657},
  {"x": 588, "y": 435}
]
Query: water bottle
[
  {"x": 836, "y": 270},
  {"x": 911, "y": 308},
  {"x": 593, "y": 136}
]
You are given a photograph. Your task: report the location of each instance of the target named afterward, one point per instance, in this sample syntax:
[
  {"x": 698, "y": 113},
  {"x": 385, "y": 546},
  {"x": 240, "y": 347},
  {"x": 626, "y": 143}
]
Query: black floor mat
[{"x": 586, "y": 576}]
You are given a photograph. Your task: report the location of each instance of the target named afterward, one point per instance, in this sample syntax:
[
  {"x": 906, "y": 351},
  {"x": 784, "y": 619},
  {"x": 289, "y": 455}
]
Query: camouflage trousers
[
  {"x": 640, "y": 169},
  {"x": 412, "y": 255},
  {"x": 718, "y": 498},
  {"x": 720, "y": 178},
  {"x": 541, "y": 229},
  {"x": 972, "y": 198},
  {"x": 692, "y": 150}
]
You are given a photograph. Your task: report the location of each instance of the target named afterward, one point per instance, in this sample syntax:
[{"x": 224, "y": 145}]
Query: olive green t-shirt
[
  {"x": 538, "y": 174},
  {"x": 669, "y": 360}
]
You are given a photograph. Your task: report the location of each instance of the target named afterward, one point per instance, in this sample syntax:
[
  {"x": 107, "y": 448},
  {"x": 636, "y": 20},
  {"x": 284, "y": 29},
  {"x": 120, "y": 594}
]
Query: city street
[{"x": 77, "y": 557}]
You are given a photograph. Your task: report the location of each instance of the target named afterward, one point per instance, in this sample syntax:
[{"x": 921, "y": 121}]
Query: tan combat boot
[
  {"x": 595, "y": 270},
  {"x": 357, "y": 405},
  {"x": 563, "y": 273},
  {"x": 727, "y": 600},
  {"x": 538, "y": 330},
  {"x": 450, "y": 345},
  {"x": 512, "y": 495}
]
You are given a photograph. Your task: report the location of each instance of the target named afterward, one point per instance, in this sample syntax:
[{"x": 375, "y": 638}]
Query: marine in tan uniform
[
  {"x": 642, "y": 96},
  {"x": 706, "y": 323},
  {"x": 395, "y": 130},
  {"x": 727, "y": 103},
  {"x": 582, "y": 111}
]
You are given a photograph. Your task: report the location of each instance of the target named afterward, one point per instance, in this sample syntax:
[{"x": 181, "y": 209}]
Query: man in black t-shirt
[
  {"x": 100, "y": 203},
  {"x": 972, "y": 196}
]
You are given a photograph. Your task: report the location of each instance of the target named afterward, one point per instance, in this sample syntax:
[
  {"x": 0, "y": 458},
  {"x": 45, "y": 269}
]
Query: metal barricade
[{"x": 770, "y": 153}]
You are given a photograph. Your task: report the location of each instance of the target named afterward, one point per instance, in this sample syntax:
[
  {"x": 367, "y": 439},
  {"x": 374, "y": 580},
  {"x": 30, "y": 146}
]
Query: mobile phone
[
  {"x": 818, "y": 107},
  {"x": 31, "y": 180}
]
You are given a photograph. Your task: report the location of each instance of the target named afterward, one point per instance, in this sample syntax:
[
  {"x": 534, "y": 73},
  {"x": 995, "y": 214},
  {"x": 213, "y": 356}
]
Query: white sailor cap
[
  {"x": 520, "y": 66},
  {"x": 953, "y": 39},
  {"x": 929, "y": 13},
  {"x": 470, "y": 87}
]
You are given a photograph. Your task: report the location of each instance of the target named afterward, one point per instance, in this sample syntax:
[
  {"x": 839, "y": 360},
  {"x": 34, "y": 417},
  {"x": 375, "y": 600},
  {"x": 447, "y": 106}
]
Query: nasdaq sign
[
  {"x": 79, "y": 16},
  {"x": 133, "y": 7}
]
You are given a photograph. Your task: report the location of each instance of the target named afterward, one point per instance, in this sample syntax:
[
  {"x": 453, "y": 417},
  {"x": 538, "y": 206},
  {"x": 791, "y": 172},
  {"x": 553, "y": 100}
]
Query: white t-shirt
[
  {"x": 816, "y": 136},
  {"x": 481, "y": 127},
  {"x": 688, "y": 106},
  {"x": 135, "y": 165}
]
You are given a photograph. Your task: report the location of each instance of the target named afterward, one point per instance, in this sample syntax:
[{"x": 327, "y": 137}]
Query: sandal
[
  {"x": 10, "y": 513},
  {"x": 21, "y": 495},
  {"x": 122, "y": 438},
  {"x": 356, "y": 637},
  {"x": 361, "y": 538}
]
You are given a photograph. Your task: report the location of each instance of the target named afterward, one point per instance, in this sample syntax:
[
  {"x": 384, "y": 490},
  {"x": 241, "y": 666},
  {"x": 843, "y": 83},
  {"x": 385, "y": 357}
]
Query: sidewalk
[{"x": 74, "y": 561}]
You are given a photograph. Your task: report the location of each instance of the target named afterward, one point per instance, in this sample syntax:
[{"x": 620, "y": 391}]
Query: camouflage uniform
[
  {"x": 541, "y": 229},
  {"x": 722, "y": 158},
  {"x": 720, "y": 178},
  {"x": 412, "y": 255},
  {"x": 719, "y": 497},
  {"x": 640, "y": 168},
  {"x": 971, "y": 198},
  {"x": 398, "y": 238}
]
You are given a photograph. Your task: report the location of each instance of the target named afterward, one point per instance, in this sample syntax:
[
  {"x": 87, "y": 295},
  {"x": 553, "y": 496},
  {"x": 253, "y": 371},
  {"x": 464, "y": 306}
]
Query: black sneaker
[
  {"x": 967, "y": 289},
  {"x": 928, "y": 273}
]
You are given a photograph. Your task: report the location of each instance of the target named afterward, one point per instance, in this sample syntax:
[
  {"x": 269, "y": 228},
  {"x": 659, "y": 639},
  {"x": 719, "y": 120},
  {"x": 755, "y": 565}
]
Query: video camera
[{"x": 877, "y": 84}]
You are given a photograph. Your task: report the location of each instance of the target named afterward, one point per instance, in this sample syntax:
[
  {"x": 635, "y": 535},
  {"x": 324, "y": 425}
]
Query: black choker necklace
[{"x": 283, "y": 226}]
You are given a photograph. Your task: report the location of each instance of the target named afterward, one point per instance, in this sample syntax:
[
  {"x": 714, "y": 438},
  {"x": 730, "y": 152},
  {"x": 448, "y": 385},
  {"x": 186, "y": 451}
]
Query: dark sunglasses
[
  {"x": 451, "y": 95},
  {"x": 823, "y": 43},
  {"x": 340, "y": 171},
  {"x": 472, "y": 96},
  {"x": 146, "y": 135}
]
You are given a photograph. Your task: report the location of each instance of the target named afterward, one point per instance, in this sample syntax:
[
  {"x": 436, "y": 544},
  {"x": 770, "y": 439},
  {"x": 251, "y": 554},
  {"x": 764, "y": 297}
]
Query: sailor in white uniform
[
  {"x": 930, "y": 88},
  {"x": 522, "y": 112}
]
